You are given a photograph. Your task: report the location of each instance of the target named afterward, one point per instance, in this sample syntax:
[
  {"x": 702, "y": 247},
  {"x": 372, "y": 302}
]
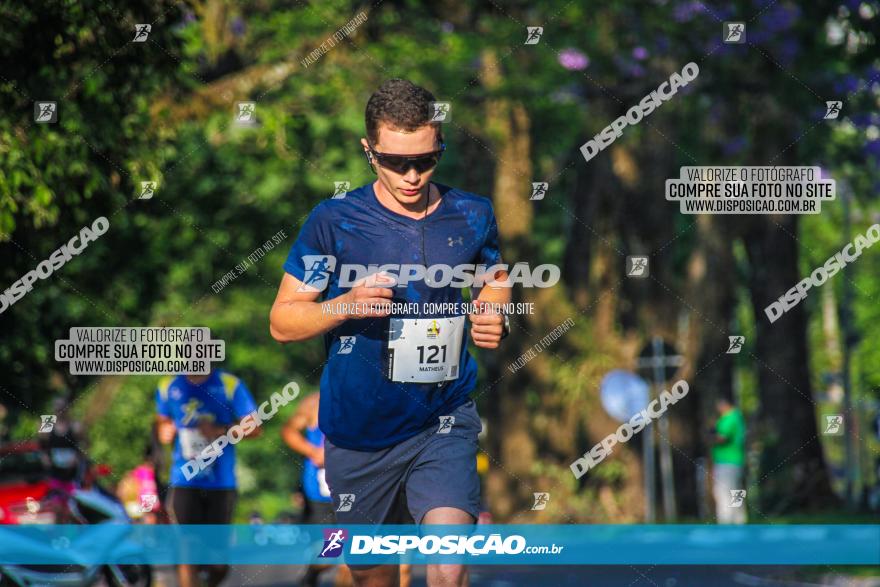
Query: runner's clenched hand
[
  {"x": 487, "y": 326},
  {"x": 367, "y": 298}
]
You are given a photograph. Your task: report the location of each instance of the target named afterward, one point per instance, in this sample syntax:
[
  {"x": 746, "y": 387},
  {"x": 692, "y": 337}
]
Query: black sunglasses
[{"x": 401, "y": 163}]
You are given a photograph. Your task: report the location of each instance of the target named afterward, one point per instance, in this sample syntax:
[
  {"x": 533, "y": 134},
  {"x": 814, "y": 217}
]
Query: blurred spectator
[
  {"x": 139, "y": 492},
  {"x": 728, "y": 459}
]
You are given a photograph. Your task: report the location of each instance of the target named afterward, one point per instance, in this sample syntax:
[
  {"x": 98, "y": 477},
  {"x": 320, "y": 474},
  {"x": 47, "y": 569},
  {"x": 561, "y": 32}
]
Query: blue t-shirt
[
  {"x": 361, "y": 409},
  {"x": 314, "y": 483},
  {"x": 222, "y": 399}
]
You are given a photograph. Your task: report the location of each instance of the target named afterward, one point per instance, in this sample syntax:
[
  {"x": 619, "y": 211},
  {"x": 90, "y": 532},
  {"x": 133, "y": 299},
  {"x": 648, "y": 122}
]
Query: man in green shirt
[{"x": 728, "y": 459}]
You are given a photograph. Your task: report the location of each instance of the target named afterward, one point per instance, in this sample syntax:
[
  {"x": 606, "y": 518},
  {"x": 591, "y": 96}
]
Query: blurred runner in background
[
  {"x": 193, "y": 411},
  {"x": 301, "y": 433}
]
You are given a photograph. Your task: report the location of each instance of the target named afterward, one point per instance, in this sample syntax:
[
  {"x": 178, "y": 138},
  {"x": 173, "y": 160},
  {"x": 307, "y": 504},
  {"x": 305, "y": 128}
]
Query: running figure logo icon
[
  {"x": 446, "y": 424},
  {"x": 45, "y": 112},
  {"x": 147, "y": 190},
  {"x": 318, "y": 271},
  {"x": 734, "y": 32},
  {"x": 539, "y": 188},
  {"x": 541, "y": 500},
  {"x": 736, "y": 343},
  {"x": 334, "y": 543},
  {"x": 61, "y": 543},
  {"x": 148, "y": 502},
  {"x": 832, "y": 109},
  {"x": 246, "y": 114},
  {"x": 47, "y": 423},
  {"x": 340, "y": 188},
  {"x": 833, "y": 424},
  {"x": 141, "y": 32},
  {"x": 346, "y": 500},
  {"x": 440, "y": 111},
  {"x": 637, "y": 267},
  {"x": 346, "y": 345},
  {"x": 737, "y": 497},
  {"x": 533, "y": 34}
]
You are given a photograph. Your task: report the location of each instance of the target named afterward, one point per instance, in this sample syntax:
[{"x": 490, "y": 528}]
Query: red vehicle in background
[
  {"x": 51, "y": 482},
  {"x": 29, "y": 493}
]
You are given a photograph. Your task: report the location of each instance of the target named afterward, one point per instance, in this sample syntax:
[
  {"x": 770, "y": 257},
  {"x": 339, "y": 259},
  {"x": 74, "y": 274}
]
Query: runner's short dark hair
[{"x": 402, "y": 105}]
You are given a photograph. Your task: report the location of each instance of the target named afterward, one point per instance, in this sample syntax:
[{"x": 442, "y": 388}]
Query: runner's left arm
[{"x": 487, "y": 326}]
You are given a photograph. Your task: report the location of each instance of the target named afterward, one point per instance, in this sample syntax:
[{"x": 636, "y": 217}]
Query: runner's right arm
[{"x": 298, "y": 315}]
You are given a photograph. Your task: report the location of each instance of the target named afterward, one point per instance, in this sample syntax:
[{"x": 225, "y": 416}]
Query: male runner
[
  {"x": 384, "y": 392},
  {"x": 193, "y": 411}
]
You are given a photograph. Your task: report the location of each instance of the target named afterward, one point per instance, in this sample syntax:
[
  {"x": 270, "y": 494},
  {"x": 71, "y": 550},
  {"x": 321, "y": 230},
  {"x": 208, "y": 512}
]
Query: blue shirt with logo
[
  {"x": 361, "y": 409},
  {"x": 222, "y": 399}
]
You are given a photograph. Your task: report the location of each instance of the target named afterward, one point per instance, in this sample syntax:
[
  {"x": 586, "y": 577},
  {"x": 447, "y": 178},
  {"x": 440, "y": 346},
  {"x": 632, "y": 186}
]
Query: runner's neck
[{"x": 418, "y": 212}]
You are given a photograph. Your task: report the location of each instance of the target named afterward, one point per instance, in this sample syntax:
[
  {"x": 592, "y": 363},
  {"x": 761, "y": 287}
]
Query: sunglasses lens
[
  {"x": 400, "y": 165},
  {"x": 425, "y": 163},
  {"x": 395, "y": 164}
]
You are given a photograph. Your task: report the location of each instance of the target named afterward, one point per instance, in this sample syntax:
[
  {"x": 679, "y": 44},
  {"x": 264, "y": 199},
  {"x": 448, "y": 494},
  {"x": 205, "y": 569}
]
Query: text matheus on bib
[{"x": 387, "y": 379}]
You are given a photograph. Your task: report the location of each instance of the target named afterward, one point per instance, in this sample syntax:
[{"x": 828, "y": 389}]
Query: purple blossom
[
  {"x": 872, "y": 148},
  {"x": 635, "y": 70},
  {"x": 188, "y": 17},
  {"x": 447, "y": 27},
  {"x": 573, "y": 59},
  {"x": 723, "y": 13},
  {"x": 864, "y": 119},
  {"x": 640, "y": 53},
  {"x": 686, "y": 11},
  {"x": 788, "y": 51},
  {"x": 779, "y": 18},
  {"x": 238, "y": 26},
  {"x": 733, "y": 146},
  {"x": 846, "y": 84},
  {"x": 662, "y": 44}
]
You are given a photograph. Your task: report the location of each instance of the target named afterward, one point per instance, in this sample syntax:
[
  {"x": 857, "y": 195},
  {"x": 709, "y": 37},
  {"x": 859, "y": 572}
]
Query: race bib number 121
[{"x": 424, "y": 350}]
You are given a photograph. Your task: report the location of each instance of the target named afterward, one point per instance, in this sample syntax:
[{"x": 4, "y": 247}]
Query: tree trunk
[
  {"x": 793, "y": 475},
  {"x": 512, "y": 446},
  {"x": 711, "y": 286}
]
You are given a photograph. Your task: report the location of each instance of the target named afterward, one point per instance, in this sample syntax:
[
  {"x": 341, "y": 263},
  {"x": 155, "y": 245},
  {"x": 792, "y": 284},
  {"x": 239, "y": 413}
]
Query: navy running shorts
[{"x": 400, "y": 484}]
